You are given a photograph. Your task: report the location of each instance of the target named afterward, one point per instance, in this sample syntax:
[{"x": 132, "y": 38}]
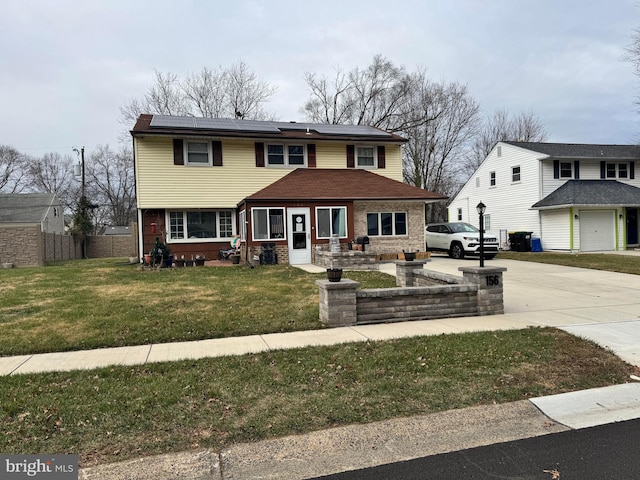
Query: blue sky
[{"x": 68, "y": 66}]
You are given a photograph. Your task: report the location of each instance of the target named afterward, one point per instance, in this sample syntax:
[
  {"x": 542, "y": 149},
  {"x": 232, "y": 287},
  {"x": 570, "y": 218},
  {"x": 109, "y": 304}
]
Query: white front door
[{"x": 299, "y": 235}]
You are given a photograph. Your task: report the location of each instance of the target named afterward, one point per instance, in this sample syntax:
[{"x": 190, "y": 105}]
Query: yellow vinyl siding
[
  {"x": 334, "y": 155},
  {"x": 161, "y": 184}
]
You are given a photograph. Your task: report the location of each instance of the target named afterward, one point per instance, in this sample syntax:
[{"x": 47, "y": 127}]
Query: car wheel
[{"x": 456, "y": 251}]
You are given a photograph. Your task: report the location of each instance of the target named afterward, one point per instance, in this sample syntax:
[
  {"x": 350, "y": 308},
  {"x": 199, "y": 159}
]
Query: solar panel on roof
[
  {"x": 330, "y": 129},
  {"x": 172, "y": 121}
]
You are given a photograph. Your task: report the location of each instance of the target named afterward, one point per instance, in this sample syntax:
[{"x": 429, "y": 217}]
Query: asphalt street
[{"x": 606, "y": 451}]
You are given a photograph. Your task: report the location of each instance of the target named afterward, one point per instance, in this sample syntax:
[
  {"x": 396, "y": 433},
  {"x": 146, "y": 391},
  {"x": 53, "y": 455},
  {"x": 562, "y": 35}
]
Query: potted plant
[
  {"x": 409, "y": 256},
  {"x": 180, "y": 261},
  {"x": 334, "y": 274},
  {"x": 200, "y": 260},
  {"x": 160, "y": 254}
]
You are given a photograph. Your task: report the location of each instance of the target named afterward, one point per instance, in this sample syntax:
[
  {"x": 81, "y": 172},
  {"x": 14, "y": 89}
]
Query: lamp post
[{"x": 481, "y": 207}]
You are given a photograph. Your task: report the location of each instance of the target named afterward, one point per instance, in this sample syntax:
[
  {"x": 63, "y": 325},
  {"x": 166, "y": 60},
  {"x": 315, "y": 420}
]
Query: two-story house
[
  {"x": 201, "y": 182},
  {"x": 574, "y": 197}
]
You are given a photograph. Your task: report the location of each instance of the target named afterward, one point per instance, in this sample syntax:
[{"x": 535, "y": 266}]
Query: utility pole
[{"x": 83, "y": 203}]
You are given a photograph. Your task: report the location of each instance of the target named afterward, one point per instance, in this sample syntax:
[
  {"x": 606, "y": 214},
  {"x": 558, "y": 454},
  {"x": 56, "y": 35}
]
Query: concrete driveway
[{"x": 601, "y": 306}]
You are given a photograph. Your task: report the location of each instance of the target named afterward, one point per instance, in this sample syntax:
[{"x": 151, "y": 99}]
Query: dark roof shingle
[
  {"x": 591, "y": 193},
  {"x": 25, "y": 207},
  {"x": 580, "y": 150},
  {"x": 340, "y": 184}
]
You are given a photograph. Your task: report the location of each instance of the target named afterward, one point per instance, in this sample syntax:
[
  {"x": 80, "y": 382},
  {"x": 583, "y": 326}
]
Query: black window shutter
[
  {"x": 632, "y": 170},
  {"x": 382, "y": 162},
  {"x": 217, "y": 153},
  {"x": 556, "y": 169},
  {"x": 178, "y": 151},
  {"x": 311, "y": 155},
  {"x": 351, "y": 156},
  {"x": 259, "y": 154},
  {"x": 576, "y": 170},
  {"x": 603, "y": 169}
]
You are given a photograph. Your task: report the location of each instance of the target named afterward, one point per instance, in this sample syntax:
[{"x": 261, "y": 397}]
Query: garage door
[{"x": 597, "y": 231}]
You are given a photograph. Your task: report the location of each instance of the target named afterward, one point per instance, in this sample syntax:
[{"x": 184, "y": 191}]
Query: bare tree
[
  {"x": 502, "y": 126},
  {"x": 53, "y": 173},
  {"x": 234, "y": 92},
  {"x": 377, "y": 96},
  {"x": 111, "y": 185},
  {"x": 246, "y": 93},
  {"x": 11, "y": 170},
  {"x": 632, "y": 55},
  {"x": 432, "y": 156}
]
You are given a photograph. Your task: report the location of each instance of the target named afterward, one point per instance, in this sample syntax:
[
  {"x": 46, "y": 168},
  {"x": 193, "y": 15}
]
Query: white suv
[{"x": 459, "y": 239}]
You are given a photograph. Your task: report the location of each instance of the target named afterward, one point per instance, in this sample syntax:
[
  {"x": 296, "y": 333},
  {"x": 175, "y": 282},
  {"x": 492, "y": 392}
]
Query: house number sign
[{"x": 493, "y": 280}]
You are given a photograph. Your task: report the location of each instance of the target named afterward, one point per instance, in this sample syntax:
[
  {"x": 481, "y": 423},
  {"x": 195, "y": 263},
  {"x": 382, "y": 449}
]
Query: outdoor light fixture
[{"x": 481, "y": 208}]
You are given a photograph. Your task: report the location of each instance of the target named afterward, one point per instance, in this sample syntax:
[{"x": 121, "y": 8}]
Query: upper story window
[
  {"x": 285, "y": 155},
  {"x": 459, "y": 214},
  {"x": 617, "y": 170},
  {"x": 492, "y": 179},
  {"x": 365, "y": 156},
  {"x": 515, "y": 174},
  {"x": 198, "y": 153},
  {"x": 566, "y": 170}
]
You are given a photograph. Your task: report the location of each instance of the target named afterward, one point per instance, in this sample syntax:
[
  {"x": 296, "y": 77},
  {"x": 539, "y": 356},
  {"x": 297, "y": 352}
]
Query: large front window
[
  {"x": 331, "y": 221},
  {"x": 268, "y": 223},
  {"x": 200, "y": 225},
  {"x": 386, "y": 224}
]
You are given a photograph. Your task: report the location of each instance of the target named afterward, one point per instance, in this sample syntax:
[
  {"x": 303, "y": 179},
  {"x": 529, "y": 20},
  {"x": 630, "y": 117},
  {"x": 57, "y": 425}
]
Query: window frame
[
  {"x": 459, "y": 214},
  {"x": 394, "y": 224},
  {"x": 198, "y": 164},
  {"x": 269, "y": 224},
  {"x": 356, "y": 154},
  {"x": 514, "y": 174},
  {"x": 286, "y": 154},
  {"x": 185, "y": 225},
  {"x": 492, "y": 179},
  {"x": 331, "y": 233},
  {"x": 626, "y": 170},
  {"x": 565, "y": 170}
]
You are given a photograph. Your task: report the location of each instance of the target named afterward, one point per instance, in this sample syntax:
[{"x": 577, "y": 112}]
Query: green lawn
[
  {"x": 104, "y": 303},
  {"x": 116, "y": 413},
  {"x": 596, "y": 261}
]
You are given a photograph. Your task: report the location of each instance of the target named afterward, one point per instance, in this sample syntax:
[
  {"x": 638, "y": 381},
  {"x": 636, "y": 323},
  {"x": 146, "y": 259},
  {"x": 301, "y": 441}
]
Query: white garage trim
[{"x": 597, "y": 230}]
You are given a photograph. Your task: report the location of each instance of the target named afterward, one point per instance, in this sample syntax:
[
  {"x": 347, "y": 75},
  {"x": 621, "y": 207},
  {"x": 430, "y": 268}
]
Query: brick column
[
  {"x": 489, "y": 281},
  {"x": 338, "y": 302},
  {"x": 404, "y": 272}
]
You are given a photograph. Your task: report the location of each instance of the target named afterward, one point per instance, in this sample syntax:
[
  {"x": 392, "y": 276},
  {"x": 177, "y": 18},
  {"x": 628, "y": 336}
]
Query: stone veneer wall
[
  {"x": 22, "y": 246},
  {"x": 478, "y": 292},
  {"x": 414, "y": 240}
]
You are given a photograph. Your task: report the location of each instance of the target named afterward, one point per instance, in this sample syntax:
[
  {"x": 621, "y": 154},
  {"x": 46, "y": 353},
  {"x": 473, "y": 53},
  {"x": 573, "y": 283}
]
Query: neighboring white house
[{"x": 574, "y": 197}]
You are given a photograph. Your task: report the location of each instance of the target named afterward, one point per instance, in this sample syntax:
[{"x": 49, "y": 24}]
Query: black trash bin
[{"x": 520, "y": 241}]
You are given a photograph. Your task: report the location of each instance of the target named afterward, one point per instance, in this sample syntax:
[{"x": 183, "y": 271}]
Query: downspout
[
  {"x": 140, "y": 215},
  {"x": 571, "y": 229}
]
